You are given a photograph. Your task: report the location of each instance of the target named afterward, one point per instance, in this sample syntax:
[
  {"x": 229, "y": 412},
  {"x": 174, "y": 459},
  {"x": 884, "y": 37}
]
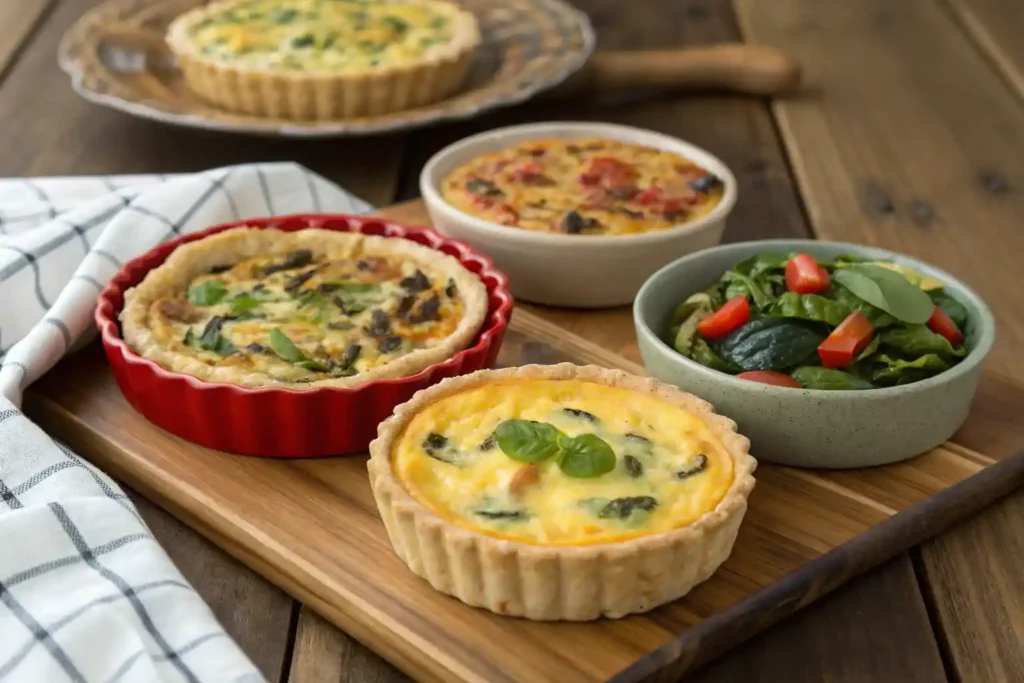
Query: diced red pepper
[
  {"x": 732, "y": 315},
  {"x": 941, "y": 323},
  {"x": 846, "y": 341},
  {"x": 649, "y": 196},
  {"x": 508, "y": 215},
  {"x": 608, "y": 172},
  {"x": 679, "y": 203},
  {"x": 778, "y": 379},
  {"x": 805, "y": 276}
]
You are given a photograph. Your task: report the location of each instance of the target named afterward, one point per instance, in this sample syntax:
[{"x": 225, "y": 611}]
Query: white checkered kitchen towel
[{"x": 86, "y": 593}]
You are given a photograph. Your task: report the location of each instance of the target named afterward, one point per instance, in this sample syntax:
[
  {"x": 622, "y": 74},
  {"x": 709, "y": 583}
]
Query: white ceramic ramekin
[{"x": 577, "y": 271}]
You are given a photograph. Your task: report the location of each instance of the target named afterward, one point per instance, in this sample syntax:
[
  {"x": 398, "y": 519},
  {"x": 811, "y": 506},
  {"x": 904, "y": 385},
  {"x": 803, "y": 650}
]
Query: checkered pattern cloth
[{"x": 86, "y": 593}]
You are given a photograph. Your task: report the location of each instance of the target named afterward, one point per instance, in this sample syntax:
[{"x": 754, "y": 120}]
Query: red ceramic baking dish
[{"x": 288, "y": 423}]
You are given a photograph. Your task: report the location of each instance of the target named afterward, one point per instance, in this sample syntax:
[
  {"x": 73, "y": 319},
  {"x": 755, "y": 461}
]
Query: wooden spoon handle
[{"x": 739, "y": 67}]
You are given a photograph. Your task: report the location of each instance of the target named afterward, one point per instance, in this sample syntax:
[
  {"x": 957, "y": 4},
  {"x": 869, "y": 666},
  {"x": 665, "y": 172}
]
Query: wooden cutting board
[{"x": 311, "y": 526}]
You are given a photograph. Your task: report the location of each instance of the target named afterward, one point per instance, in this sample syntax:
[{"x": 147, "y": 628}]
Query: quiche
[
  {"x": 560, "y": 492},
  {"x": 324, "y": 59},
  {"x": 588, "y": 186},
  {"x": 306, "y": 309}
]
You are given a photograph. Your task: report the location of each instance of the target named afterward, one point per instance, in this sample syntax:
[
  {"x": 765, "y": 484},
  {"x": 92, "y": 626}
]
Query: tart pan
[{"x": 283, "y": 422}]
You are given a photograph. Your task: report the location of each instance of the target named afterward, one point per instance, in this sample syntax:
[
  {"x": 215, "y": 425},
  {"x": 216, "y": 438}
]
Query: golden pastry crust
[
  {"x": 326, "y": 91},
  {"x": 156, "y": 310},
  {"x": 557, "y": 582},
  {"x": 585, "y": 186}
]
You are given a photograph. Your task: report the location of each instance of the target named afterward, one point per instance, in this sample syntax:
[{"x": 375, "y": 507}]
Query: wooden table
[{"x": 909, "y": 136}]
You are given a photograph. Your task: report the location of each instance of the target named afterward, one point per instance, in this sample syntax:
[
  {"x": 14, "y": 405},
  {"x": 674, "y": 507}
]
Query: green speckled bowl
[{"x": 813, "y": 428}]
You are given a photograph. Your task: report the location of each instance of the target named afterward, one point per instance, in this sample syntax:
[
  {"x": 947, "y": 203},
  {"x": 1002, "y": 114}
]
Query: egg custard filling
[
  {"x": 586, "y": 186},
  {"x": 560, "y": 492},
  {"x": 331, "y": 35},
  {"x": 562, "y": 462},
  {"x": 310, "y": 308}
]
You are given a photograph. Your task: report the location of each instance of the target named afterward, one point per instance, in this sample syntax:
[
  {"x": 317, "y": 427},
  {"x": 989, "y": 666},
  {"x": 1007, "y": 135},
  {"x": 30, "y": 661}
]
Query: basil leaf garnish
[
  {"x": 585, "y": 456},
  {"x": 887, "y": 290},
  {"x": 527, "y": 440},
  {"x": 208, "y": 293}
]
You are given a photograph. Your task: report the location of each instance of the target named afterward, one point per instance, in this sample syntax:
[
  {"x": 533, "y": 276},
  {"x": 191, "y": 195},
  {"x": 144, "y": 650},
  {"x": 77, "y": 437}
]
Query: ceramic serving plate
[
  {"x": 815, "y": 428},
  {"x": 116, "y": 57}
]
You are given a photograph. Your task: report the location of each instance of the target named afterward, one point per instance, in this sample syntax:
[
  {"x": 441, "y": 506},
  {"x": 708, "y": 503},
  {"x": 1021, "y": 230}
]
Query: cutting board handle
[{"x": 738, "y": 67}]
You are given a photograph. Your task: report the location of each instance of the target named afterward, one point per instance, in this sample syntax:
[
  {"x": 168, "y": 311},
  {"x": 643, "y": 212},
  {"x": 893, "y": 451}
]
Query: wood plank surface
[
  {"x": 17, "y": 23},
  {"x": 909, "y": 140},
  {"x": 996, "y": 27}
]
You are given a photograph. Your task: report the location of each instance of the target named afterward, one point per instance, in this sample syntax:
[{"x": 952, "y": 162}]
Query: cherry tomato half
[
  {"x": 805, "y": 276},
  {"x": 732, "y": 315},
  {"x": 846, "y": 341},
  {"x": 941, "y": 323},
  {"x": 778, "y": 379}
]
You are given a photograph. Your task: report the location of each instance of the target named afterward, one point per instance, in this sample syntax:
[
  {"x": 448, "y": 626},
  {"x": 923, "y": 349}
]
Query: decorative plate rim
[{"x": 430, "y": 115}]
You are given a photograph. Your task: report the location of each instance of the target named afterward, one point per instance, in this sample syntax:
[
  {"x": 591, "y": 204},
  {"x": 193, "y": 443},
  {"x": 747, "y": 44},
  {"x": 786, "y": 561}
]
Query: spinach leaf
[
  {"x": 871, "y": 348},
  {"x": 918, "y": 340},
  {"x": 877, "y": 316},
  {"x": 809, "y": 307},
  {"x": 762, "y": 263},
  {"x": 887, "y": 290},
  {"x": 703, "y": 354},
  {"x": 770, "y": 344},
  {"x": 243, "y": 304},
  {"x": 527, "y": 440},
  {"x": 685, "y": 319},
  {"x": 737, "y": 284},
  {"x": 208, "y": 293},
  {"x": 585, "y": 456},
  {"x": 888, "y": 371},
  {"x": 213, "y": 340},
  {"x": 956, "y": 311},
  {"x": 813, "y": 377},
  {"x": 287, "y": 350}
]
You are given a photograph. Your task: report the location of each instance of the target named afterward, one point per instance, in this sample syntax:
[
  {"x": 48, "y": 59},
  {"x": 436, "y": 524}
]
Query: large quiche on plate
[
  {"x": 313, "y": 308},
  {"x": 560, "y": 492},
  {"x": 324, "y": 59}
]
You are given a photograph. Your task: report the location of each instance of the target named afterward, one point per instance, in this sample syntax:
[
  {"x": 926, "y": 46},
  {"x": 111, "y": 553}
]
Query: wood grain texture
[
  {"x": 996, "y": 27},
  {"x": 17, "y": 22},
  {"x": 254, "y": 612},
  {"x": 57, "y": 131},
  {"x": 324, "y": 654},
  {"x": 908, "y": 141}
]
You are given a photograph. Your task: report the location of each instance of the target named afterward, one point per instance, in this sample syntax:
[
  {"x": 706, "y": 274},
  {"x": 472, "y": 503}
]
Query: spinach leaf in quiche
[
  {"x": 212, "y": 338},
  {"x": 208, "y": 293},
  {"x": 623, "y": 508},
  {"x": 286, "y": 349}
]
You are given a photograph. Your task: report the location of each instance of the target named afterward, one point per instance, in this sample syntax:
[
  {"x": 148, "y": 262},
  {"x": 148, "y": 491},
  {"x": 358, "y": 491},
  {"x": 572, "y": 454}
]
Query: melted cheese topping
[
  {"x": 589, "y": 186},
  {"x": 447, "y": 462},
  {"x": 299, "y": 320},
  {"x": 304, "y": 35}
]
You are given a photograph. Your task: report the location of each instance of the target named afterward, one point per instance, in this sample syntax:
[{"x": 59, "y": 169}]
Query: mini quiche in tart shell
[
  {"x": 560, "y": 492},
  {"x": 324, "y": 59},
  {"x": 307, "y": 309},
  {"x": 588, "y": 186}
]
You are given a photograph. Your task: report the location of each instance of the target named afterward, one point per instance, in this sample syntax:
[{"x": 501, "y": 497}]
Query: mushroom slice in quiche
[
  {"x": 304, "y": 309},
  {"x": 560, "y": 492},
  {"x": 323, "y": 59}
]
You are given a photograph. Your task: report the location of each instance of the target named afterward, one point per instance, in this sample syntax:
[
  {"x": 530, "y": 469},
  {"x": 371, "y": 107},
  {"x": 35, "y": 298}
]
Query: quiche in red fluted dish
[{"x": 591, "y": 186}]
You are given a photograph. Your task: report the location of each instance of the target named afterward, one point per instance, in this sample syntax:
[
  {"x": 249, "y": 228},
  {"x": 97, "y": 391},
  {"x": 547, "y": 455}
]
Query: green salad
[{"x": 846, "y": 324}]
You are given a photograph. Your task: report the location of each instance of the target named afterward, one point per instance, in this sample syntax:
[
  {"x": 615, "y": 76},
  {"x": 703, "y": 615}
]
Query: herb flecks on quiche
[
  {"x": 589, "y": 186},
  {"x": 366, "y": 57},
  {"x": 562, "y": 462},
  {"x": 312, "y": 308},
  {"x": 560, "y": 492}
]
